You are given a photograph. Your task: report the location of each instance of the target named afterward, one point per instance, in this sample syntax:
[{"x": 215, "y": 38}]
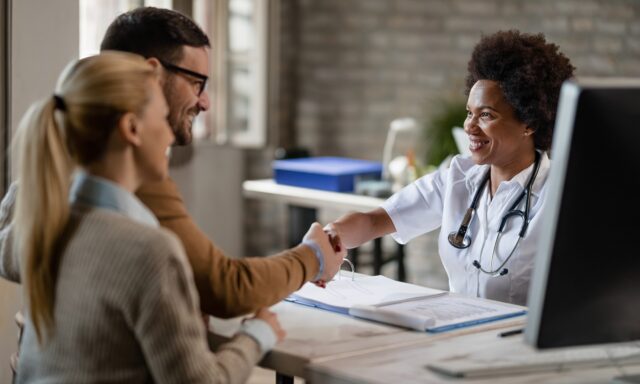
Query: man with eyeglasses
[
  {"x": 182, "y": 112},
  {"x": 228, "y": 287}
]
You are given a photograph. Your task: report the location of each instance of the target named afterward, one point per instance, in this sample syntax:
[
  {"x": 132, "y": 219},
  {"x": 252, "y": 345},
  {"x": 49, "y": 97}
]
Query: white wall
[
  {"x": 210, "y": 179},
  {"x": 44, "y": 39}
]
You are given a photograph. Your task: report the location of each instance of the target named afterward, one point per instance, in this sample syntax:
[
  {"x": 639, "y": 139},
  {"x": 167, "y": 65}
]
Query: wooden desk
[
  {"x": 325, "y": 347},
  {"x": 407, "y": 364},
  {"x": 303, "y": 203},
  {"x": 316, "y": 336}
]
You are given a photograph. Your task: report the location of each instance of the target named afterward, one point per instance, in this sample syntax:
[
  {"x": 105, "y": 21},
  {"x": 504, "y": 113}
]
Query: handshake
[{"x": 330, "y": 249}]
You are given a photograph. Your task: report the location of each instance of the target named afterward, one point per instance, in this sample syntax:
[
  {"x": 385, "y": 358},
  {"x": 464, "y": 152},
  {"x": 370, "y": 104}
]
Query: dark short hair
[
  {"x": 530, "y": 73},
  {"x": 153, "y": 32}
]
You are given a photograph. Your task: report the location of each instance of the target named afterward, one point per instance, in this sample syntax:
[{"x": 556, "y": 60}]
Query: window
[
  {"x": 5, "y": 95},
  {"x": 95, "y": 17},
  {"x": 239, "y": 31}
]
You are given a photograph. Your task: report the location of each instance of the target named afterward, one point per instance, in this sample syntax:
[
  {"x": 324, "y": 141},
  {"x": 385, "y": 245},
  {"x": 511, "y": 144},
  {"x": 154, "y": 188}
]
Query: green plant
[{"x": 448, "y": 113}]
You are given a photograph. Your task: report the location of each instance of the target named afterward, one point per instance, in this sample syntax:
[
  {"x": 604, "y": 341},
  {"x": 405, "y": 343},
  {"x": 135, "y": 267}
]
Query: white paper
[
  {"x": 364, "y": 290},
  {"x": 452, "y": 309},
  {"x": 401, "y": 319},
  {"x": 385, "y": 300}
]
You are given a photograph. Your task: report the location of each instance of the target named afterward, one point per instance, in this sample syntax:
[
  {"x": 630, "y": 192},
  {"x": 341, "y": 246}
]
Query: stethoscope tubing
[{"x": 459, "y": 239}]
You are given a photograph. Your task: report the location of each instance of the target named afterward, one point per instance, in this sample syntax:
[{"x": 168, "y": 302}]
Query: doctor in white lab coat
[{"x": 513, "y": 85}]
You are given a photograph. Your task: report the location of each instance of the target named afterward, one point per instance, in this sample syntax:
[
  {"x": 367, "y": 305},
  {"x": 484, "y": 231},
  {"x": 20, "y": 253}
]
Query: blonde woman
[{"x": 110, "y": 295}]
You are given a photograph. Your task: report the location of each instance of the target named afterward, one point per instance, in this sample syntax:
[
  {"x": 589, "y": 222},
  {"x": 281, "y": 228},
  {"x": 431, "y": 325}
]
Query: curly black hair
[{"x": 530, "y": 72}]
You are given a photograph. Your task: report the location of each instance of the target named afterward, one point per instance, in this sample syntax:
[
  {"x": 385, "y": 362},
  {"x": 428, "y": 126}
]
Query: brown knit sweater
[{"x": 228, "y": 287}]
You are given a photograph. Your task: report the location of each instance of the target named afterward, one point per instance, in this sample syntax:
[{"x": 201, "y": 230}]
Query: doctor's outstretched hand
[
  {"x": 356, "y": 228},
  {"x": 331, "y": 249}
]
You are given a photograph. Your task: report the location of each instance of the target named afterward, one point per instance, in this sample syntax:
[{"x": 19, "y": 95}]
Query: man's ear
[
  {"x": 157, "y": 67},
  {"x": 129, "y": 129},
  {"x": 155, "y": 63}
]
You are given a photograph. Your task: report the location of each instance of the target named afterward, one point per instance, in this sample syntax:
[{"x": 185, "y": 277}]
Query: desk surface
[
  {"x": 315, "y": 335},
  {"x": 407, "y": 364},
  {"x": 306, "y": 197},
  {"x": 325, "y": 347}
]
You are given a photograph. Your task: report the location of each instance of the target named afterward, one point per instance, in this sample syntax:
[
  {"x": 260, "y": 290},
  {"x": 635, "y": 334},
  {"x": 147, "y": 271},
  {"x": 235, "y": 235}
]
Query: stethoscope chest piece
[{"x": 459, "y": 241}]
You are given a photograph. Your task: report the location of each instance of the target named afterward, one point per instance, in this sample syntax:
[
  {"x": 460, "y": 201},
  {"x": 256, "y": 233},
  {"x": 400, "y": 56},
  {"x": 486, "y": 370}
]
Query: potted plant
[{"x": 439, "y": 142}]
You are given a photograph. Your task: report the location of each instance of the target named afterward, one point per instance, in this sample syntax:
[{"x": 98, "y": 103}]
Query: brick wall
[
  {"x": 354, "y": 65},
  {"x": 364, "y": 62}
]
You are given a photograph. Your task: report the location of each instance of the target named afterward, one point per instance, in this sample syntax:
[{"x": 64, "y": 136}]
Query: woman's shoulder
[{"x": 130, "y": 237}]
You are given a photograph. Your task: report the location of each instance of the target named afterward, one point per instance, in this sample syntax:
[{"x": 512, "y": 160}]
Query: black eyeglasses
[{"x": 202, "y": 83}]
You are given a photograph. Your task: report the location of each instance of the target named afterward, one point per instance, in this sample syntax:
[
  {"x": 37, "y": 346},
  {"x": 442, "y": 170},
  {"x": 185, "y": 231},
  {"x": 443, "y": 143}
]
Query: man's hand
[
  {"x": 334, "y": 229},
  {"x": 332, "y": 251}
]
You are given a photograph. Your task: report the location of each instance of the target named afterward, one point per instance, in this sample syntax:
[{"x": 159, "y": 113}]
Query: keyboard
[{"x": 545, "y": 361}]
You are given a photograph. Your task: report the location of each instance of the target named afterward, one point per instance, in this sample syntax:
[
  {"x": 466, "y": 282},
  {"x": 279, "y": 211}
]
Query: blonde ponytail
[
  {"x": 42, "y": 208},
  {"x": 55, "y": 134}
]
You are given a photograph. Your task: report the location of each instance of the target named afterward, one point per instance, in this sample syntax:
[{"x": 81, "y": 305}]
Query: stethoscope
[{"x": 461, "y": 240}]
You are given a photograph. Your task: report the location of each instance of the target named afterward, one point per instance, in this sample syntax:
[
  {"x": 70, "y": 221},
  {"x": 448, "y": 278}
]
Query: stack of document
[{"x": 411, "y": 306}]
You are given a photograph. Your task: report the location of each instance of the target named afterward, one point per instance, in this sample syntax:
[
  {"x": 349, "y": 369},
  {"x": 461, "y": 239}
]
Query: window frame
[
  {"x": 5, "y": 92},
  {"x": 258, "y": 63}
]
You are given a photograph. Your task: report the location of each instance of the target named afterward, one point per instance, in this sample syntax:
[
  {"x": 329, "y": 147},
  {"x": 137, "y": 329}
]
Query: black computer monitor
[{"x": 586, "y": 280}]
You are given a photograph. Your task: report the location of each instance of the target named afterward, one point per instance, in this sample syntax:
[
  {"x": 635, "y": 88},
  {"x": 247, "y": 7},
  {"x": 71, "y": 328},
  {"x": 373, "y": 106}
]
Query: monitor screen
[{"x": 586, "y": 281}]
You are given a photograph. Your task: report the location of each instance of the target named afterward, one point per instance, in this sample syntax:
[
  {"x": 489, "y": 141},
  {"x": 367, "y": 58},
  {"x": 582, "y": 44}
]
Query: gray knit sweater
[{"x": 126, "y": 310}]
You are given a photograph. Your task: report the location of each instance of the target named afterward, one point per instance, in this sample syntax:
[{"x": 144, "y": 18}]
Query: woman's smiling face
[{"x": 497, "y": 136}]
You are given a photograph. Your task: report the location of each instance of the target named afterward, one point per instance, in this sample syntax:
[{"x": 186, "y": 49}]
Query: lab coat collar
[
  {"x": 477, "y": 173},
  {"x": 522, "y": 177}
]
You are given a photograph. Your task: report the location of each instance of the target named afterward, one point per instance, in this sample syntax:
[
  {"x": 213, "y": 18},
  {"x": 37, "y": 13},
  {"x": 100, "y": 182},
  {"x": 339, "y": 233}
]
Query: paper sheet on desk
[
  {"x": 388, "y": 301},
  {"x": 341, "y": 295},
  {"x": 438, "y": 313}
]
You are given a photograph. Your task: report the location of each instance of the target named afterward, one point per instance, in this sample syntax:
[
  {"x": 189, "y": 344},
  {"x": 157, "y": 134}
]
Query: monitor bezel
[{"x": 563, "y": 134}]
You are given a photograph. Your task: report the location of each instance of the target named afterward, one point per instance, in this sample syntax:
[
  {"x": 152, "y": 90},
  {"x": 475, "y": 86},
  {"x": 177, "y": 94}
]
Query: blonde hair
[{"x": 53, "y": 136}]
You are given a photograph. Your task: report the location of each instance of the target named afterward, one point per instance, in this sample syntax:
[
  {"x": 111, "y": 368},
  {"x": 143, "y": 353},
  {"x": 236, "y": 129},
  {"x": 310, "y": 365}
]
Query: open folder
[{"x": 385, "y": 300}]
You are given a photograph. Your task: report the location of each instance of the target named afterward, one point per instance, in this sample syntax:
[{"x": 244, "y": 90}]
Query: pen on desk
[{"x": 511, "y": 332}]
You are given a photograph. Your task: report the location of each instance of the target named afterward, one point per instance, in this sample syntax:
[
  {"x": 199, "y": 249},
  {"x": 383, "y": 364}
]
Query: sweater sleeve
[
  {"x": 9, "y": 261},
  {"x": 166, "y": 320},
  {"x": 228, "y": 287}
]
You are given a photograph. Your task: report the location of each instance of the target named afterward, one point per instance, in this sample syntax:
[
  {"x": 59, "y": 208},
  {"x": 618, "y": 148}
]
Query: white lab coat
[{"x": 441, "y": 199}]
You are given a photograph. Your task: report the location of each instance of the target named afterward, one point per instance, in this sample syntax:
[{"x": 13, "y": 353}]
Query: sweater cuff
[
  {"x": 261, "y": 332},
  {"x": 318, "y": 252}
]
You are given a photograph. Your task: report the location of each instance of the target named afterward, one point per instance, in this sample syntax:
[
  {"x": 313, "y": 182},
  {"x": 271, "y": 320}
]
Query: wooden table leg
[
  {"x": 283, "y": 379},
  {"x": 377, "y": 256},
  {"x": 300, "y": 219},
  {"x": 353, "y": 256},
  {"x": 402, "y": 272}
]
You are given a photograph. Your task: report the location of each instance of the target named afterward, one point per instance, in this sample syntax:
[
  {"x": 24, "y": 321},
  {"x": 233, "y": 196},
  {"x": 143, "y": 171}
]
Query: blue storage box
[{"x": 336, "y": 174}]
